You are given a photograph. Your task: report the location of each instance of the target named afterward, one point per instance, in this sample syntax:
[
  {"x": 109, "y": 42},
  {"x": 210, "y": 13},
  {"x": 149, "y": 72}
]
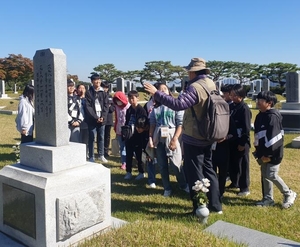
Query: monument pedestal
[
  {"x": 3, "y": 96},
  {"x": 291, "y": 116},
  {"x": 54, "y": 209}
]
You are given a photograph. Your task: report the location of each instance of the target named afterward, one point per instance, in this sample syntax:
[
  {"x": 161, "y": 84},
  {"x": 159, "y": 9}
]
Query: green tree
[
  {"x": 178, "y": 72},
  {"x": 219, "y": 69},
  {"x": 16, "y": 69},
  {"x": 243, "y": 71},
  {"x": 108, "y": 72},
  {"x": 158, "y": 70},
  {"x": 276, "y": 72},
  {"x": 131, "y": 75}
]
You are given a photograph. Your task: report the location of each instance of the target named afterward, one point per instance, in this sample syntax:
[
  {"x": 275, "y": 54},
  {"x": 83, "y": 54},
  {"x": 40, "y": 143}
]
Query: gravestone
[
  {"x": 128, "y": 87},
  {"x": 257, "y": 89},
  {"x": 266, "y": 84},
  {"x": 173, "y": 90},
  {"x": 2, "y": 90},
  {"x": 133, "y": 86},
  {"x": 120, "y": 85},
  {"x": 252, "y": 91},
  {"x": 184, "y": 81},
  {"x": 246, "y": 236},
  {"x": 53, "y": 197},
  {"x": 290, "y": 110},
  {"x": 218, "y": 85},
  {"x": 15, "y": 89}
]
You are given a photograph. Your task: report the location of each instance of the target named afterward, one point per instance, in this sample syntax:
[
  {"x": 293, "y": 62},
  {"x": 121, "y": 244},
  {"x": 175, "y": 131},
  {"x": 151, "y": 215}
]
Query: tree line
[{"x": 16, "y": 69}]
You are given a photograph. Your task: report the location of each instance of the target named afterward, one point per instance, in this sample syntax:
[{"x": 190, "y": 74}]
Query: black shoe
[{"x": 106, "y": 155}]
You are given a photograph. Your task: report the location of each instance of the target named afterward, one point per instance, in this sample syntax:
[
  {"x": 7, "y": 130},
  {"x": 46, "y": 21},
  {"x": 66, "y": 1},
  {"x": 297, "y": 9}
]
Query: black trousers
[
  {"x": 220, "y": 160},
  {"x": 198, "y": 165},
  {"x": 106, "y": 138},
  {"x": 240, "y": 174},
  {"x": 132, "y": 146},
  {"x": 25, "y": 138}
]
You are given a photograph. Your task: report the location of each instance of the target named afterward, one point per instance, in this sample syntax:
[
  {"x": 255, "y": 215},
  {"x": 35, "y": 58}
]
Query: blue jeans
[
  {"x": 99, "y": 131},
  {"x": 163, "y": 163},
  {"x": 151, "y": 172},
  {"x": 122, "y": 149}
]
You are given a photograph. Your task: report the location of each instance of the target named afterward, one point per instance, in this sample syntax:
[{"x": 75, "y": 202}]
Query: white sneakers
[
  {"x": 152, "y": 185},
  {"x": 289, "y": 199},
  {"x": 244, "y": 193},
  {"x": 102, "y": 159}
]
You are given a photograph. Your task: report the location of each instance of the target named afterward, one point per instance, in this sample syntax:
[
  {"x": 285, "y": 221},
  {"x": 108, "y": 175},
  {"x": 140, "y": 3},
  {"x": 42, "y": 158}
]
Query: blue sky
[{"x": 132, "y": 32}]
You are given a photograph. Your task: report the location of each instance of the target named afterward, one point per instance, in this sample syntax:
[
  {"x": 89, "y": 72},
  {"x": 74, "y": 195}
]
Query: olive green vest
[{"x": 189, "y": 123}]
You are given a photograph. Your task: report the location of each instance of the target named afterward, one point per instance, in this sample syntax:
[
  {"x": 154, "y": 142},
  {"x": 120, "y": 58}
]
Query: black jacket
[
  {"x": 241, "y": 116},
  {"x": 90, "y": 111},
  {"x": 269, "y": 133},
  {"x": 111, "y": 110}
]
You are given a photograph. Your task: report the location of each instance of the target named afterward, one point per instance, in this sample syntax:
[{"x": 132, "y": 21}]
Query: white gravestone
[
  {"x": 2, "y": 91},
  {"x": 58, "y": 199}
]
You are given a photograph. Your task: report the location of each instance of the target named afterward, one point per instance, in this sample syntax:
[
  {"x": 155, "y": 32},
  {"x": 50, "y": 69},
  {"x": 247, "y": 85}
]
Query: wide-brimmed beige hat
[{"x": 197, "y": 64}]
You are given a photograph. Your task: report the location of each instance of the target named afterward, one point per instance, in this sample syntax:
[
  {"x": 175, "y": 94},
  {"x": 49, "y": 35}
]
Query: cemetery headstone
[
  {"x": 120, "y": 85},
  {"x": 251, "y": 91},
  {"x": 2, "y": 93},
  {"x": 257, "y": 89},
  {"x": 58, "y": 199},
  {"x": 266, "y": 84},
  {"x": 15, "y": 89},
  {"x": 128, "y": 87},
  {"x": 290, "y": 109}
]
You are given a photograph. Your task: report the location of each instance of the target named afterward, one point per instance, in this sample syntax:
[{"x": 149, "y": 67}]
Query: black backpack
[
  {"x": 214, "y": 125},
  {"x": 126, "y": 132}
]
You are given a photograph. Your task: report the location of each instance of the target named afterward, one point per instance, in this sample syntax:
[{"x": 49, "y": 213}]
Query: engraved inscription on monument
[
  {"x": 80, "y": 211},
  {"x": 19, "y": 210},
  {"x": 50, "y": 97}
]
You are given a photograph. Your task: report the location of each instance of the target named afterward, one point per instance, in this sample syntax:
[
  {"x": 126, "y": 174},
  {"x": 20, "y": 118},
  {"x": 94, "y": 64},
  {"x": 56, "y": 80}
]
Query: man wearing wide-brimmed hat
[{"x": 197, "y": 150}]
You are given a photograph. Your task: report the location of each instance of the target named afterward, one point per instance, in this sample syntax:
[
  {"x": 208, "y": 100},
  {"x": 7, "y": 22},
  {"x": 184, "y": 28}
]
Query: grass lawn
[{"x": 159, "y": 221}]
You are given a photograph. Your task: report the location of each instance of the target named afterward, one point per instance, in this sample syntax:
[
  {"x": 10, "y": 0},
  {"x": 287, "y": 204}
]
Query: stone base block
[
  {"x": 42, "y": 209},
  {"x": 247, "y": 236},
  {"x": 290, "y": 106},
  {"x": 254, "y": 96},
  {"x": 52, "y": 159},
  {"x": 3, "y": 96},
  {"x": 249, "y": 94},
  {"x": 290, "y": 120},
  {"x": 296, "y": 142}
]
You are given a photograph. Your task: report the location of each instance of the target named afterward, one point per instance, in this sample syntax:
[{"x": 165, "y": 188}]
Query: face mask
[{"x": 119, "y": 103}]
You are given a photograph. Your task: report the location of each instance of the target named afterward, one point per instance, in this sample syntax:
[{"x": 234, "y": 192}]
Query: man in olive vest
[{"x": 196, "y": 149}]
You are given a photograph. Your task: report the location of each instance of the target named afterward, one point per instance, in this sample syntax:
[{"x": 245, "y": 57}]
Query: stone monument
[
  {"x": 290, "y": 110},
  {"x": 2, "y": 90},
  {"x": 120, "y": 84},
  {"x": 252, "y": 91},
  {"x": 257, "y": 89},
  {"x": 266, "y": 84},
  {"x": 53, "y": 197},
  {"x": 15, "y": 89},
  {"x": 128, "y": 86},
  {"x": 184, "y": 80}
]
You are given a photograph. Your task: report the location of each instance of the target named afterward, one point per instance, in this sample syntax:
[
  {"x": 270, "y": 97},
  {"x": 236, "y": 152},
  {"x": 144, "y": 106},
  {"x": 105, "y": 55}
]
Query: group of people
[
  {"x": 214, "y": 161},
  {"x": 164, "y": 132}
]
